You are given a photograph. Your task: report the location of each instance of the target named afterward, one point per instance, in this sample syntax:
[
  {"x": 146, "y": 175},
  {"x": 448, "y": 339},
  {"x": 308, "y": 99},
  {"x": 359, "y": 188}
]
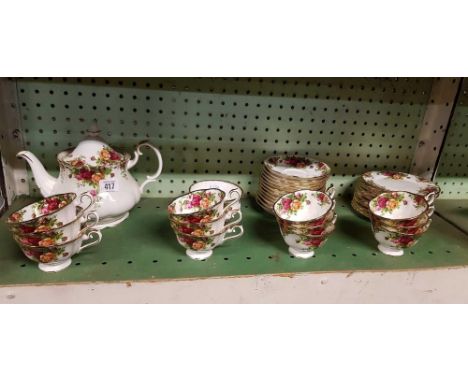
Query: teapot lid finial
[
  {"x": 93, "y": 130},
  {"x": 93, "y": 151}
]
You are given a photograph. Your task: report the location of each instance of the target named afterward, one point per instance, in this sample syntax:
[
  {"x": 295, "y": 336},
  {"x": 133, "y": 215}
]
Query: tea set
[{"x": 95, "y": 190}]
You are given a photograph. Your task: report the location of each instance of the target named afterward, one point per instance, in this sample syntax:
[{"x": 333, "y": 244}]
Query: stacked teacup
[
  {"x": 399, "y": 219},
  {"x": 53, "y": 229},
  {"x": 306, "y": 219},
  {"x": 205, "y": 218}
]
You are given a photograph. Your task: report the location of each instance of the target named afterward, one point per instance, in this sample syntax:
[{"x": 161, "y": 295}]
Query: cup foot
[
  {"x": 301, "y": 254},
  {"x": 390, "y": 251},
  {"x": 198, "y": 255},
  {"x": 111, "y": 222},
  {"x": 57, "y": 267}
]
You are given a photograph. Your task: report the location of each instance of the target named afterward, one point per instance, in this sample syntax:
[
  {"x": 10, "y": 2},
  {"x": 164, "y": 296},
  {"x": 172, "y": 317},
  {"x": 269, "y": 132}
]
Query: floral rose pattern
[
  {"x": 196, "y": 243},
  {"x": 196, "y": 201},
  {"x": 51, "y": 255},
  {"x": 310, "y": 242},
  {"x": 395, "y": 175},
  {"x": 297, "y": 162},
  {"x": 401, "y": 241},
  {"x": 200, "y": 231},
  {"x": 106, "y": 161},
  {"x": 292, "y": 203},
  {"x": 388, "y": 203}
]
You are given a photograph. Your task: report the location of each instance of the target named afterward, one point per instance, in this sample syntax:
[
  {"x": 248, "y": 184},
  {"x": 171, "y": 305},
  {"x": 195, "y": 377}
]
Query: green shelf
[
  {"x": 454, "y": 211},
  {"x": 144, "y": 248}
]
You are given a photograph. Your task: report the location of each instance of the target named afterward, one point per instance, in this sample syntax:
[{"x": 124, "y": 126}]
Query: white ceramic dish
[
  {"x": 59, "y": 235},
  {"x": 400, "y": 205},
  {"x": 232, "y": 191},
  {"x": 49, "y": 213},
  {"x": 400, "y": 181},
  {"x": 200, "y": 248},
  {"x": 95, "y": 167},
  {"x": 57, "y": 258},
  {"x": 207, "y": 229},
  {"x": 299, "y": 166},
  {"x": 304, "y": 205},
  {"x": 201, "y": 206}
]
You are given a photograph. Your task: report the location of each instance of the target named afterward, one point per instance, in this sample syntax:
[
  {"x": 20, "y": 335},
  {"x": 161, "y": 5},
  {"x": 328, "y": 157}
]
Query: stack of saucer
[
  {"x": 373, "y": 183},
  {"x": 288, "y": 173}
]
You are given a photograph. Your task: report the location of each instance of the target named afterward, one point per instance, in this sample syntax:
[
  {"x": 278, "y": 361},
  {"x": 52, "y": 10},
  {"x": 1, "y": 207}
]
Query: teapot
[{"x": 95, "y": 167}]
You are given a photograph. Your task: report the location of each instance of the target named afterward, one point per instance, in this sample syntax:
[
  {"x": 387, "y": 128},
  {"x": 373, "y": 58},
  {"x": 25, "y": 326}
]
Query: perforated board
[
  {"x": 224, "y": 128},
  {"x": 452, "y": 172}
]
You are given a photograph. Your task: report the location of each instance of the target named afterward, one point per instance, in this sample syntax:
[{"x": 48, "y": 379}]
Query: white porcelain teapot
[{"x": 95, "y": 167}]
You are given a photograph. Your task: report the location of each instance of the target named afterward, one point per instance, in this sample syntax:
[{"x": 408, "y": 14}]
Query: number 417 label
[{"x": 108, "y": 186}]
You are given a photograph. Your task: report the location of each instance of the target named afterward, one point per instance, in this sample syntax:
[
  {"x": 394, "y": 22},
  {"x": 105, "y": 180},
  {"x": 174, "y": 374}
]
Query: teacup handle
[
  {"x": 331, "y": 192},
  {"x": 430, "y": 211},
  {"x": 237, "y": 221},
  {"x": 91, "y": 222},
  {"x": 430, "y": 198},
  {"x": 132, "y": 162},
  {"x": 86, "y": 195},
  {"x": 90, "y": 235},
  {"x": 233, "y": 229},
  {"x": 236, "y": 192},
  {"x": 231, "y": 203}
]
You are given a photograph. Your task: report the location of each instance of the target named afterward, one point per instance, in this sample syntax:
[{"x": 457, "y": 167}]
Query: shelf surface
[
  {"x": 455, "y": 211},
  {"x": 144, "y": 248}
]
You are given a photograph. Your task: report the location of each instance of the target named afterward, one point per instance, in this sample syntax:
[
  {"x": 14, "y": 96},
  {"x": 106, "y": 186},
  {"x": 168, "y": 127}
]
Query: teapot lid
[{"x": 93, "y": 151}]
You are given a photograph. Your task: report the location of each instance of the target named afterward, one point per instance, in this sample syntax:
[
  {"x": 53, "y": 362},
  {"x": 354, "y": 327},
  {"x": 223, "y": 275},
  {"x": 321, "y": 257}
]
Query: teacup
[
  {"x": 58, "y": 235},
  {"x": 200, "y": 206},
  {"x": 302, "y": 246},
  {"x": 49, "y": 213},
  {"x": 400, "y": 205},
  {"x": 232, "y": 191},
  {"x": 405, "y": 223},
  {"x": 58, "y": 257},
  {"x": 205, "y": 229},
  {"x": 288, "y": 227},
  {"x": 393, "y": 243},
  {"x": 200, "y": 248},
  {"x": 327, "y": 218},
  {"x": 304, "y": 206},
  {"x": 407, "y": 230}
]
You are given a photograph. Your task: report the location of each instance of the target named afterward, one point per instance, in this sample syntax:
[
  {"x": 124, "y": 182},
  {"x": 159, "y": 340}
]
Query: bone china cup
[
  {"x": 59, "y": 235},
  {"x": 49, "y": 213},
  {"x": 326, "y": 227},
  {"x": 211, "y": 228},
  {"x": 200, "y": 206},
  {"x": 201, "y": 247},
  {"x": 400, "y": 205},
  {"x": 304, "y": 205},
  {"x": 58, "y": 257},
  {"x": 302, "y": 246},
  {"x": 393, "y": 243},
  {"x": 232, "y": 191}
]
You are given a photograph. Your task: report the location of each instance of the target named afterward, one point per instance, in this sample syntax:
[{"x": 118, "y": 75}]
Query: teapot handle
[{"x": 138, "y": 153}]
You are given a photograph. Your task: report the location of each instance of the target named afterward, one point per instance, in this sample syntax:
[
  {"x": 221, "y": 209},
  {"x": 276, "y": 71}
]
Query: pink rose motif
[
  {"x": 286, "y": 204},
  {"x": 85, "y": 174},
  {"x": 195, "y": 201},
  {"x": 114, "y": 156},
  {"x": 382, "y": 202},
  {"x": 93, "y": 193},
  {"x": 404, "y": 240}
]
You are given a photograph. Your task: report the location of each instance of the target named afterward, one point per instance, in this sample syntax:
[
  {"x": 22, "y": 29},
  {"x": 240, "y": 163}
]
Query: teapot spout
[{"x": 44, "y": 180}]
